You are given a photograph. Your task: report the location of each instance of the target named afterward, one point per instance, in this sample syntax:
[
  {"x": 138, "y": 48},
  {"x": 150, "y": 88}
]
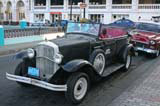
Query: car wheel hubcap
[
  {"x": 128, "y": 61},
  {"x": 157, "y": 54},
  {"x": 80, "y": 88},
  {"x": 99, "y": 63}
]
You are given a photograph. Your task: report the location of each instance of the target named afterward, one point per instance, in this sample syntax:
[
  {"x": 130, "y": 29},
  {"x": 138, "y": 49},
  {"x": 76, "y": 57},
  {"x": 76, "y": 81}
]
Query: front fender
[
  {"x": 75, "y": 65},
  {"x": 20, "y": 55},
  {"x": 123, "y": 52}
]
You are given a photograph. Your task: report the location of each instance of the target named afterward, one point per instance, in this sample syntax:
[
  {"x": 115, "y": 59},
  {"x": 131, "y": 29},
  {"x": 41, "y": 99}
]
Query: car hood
[
  {"x": 72, "y": 39},
  {"x": 74, "y": 46},
  {"x": 144, "y": 36}
]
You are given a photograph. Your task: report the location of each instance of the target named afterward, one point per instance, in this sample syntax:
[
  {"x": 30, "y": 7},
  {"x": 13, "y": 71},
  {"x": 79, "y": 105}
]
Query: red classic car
[{"x": 146, "y": 38}]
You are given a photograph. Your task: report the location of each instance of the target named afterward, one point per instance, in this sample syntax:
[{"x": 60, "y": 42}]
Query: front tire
[
  {"x": 77, "y": 87},
  {"x": 21, "y": 72}
]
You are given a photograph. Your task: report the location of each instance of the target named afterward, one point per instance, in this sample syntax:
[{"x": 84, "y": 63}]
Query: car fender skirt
[{"x": 75, "y": 65}]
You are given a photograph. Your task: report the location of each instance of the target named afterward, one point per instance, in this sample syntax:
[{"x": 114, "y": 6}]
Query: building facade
[
  {"x": 14, "y": 10},
  {"x": 104, "y": 11}
]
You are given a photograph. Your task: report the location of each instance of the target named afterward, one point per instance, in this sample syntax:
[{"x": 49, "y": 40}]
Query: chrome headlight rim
[
  {"x": 58, "y": 58},
  {"x": 152, "y": 42},
  {"x": 30, "y": 53}
]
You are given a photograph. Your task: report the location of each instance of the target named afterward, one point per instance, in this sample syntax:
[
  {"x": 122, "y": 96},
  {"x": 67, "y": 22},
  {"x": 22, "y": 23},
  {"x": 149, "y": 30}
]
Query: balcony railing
[
  {"x": 74, "y": 7},
  {"x": 39, "y": 7},
  {"x": 149, "y": 6},
  {"x": 97, "y": 6},
  {"x": 57, "y": 7},
  {"x": 121, "y": 6}
]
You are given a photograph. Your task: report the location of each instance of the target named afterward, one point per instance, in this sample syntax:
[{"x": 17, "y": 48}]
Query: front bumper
[
  {"x": 145, "y": 50},
  {"x": 35, "y": 82}
]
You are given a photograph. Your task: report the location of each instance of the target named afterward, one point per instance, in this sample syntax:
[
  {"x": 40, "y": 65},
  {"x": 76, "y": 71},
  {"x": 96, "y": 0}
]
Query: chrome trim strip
[
  {"x": 139, "y": 41},
  {"x": 35, "y": 82},
  {"x": 145, "y": 50}
]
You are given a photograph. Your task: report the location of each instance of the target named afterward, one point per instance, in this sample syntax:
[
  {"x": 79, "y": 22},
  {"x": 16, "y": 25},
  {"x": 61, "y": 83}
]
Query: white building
[
  {"x": 105, "y": 11},
  {"x": 14, "y": 10}
]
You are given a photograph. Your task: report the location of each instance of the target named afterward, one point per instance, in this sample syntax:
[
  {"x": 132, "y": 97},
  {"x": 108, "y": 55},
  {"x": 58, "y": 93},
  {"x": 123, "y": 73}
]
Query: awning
[{"x": 55, "y": 12}]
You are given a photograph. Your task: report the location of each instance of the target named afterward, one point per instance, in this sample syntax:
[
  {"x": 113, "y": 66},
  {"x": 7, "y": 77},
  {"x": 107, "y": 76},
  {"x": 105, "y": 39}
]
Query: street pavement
[
  {"x": 143, "y": 92},
  {"x": 118, "y": 89}
]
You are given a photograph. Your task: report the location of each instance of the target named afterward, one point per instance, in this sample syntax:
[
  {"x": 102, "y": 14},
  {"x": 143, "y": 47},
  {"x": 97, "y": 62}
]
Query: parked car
[
  {"x": 146, "y": 38},
  {"x": 85, "y": 54},
  {"x": 124, "y": 23}
]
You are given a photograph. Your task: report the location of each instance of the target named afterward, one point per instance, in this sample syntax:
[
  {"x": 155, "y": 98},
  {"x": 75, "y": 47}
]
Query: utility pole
[
  {"x": 84, "y": 12},
  {"x": 71, "y": 10}
]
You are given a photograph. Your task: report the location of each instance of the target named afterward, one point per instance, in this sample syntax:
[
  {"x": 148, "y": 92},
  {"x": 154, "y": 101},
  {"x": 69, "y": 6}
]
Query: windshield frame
[{"x": 88, "y": 34}]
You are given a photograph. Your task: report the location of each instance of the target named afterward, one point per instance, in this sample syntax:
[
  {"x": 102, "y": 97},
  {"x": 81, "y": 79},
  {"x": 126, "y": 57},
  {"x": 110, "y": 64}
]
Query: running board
[{"x": 112, "y": 68}]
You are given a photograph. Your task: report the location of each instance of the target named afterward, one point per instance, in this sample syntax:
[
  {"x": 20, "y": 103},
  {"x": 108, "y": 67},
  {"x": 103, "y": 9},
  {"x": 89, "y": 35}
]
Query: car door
[{"x": 109, "y": 46}]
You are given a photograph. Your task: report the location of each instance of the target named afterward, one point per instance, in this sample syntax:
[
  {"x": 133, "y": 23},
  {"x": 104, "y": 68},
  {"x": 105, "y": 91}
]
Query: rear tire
[
  {"x": 128, "y": 62},
  {"x": 20, "y": 72},
  {"x": 77, "y": 87}
]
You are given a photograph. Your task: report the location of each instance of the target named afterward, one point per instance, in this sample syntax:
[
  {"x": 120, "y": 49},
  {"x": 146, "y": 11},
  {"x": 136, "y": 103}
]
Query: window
[
  {"x": 149, "y": 1},
  {"x": 57, "y": 2},
  {"x": 40, "y": 2},
  {"x": 97, "y": 2},
  {"x": 122, "y": 1},
  {"x": 99, "y": 18},
  {"x": 39, "y": 17},
  {"x": 75, "y": 2}
]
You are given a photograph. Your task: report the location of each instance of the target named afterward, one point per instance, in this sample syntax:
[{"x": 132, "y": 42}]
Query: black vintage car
[{"x": 85, "y": 54}]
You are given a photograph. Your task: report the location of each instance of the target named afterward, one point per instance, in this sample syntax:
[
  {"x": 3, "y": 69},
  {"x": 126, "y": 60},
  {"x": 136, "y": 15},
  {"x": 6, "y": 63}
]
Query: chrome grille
[
  {"x": 44, "y": 55},
  {"x": 141, "y": 45}
]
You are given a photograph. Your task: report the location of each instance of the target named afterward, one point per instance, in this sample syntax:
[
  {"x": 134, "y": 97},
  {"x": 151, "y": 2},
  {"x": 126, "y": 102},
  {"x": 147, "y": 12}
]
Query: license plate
[{"x": 33, "y": 71}]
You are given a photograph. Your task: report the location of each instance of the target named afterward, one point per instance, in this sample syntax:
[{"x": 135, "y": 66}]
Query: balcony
[
  {"x": 57, "y": 7},
  {"x": 74, "y": 7},
  {"x": 121, "y": 6},
  {"x": 149, "y": 6},
  {"x": 97, "y": 6},
  {"x": 40, "y": 7}
]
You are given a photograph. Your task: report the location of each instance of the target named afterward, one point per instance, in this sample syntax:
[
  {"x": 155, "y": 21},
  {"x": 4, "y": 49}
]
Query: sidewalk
[
  {"x": 13, "y": 48},
  {"x": 26, "y": 39},
  {"x": 144, "y": 91}
]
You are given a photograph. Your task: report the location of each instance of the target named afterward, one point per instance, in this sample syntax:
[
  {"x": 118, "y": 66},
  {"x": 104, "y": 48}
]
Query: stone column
[
  {"x": 108, "y": 5},
  {"x": 48, "y": 5},
  {"x": 135, "y": 5},
  {"x": 108, "y": 15},
  {"x": 14, "y": 11},
  {"x": 134, "y": 14}
]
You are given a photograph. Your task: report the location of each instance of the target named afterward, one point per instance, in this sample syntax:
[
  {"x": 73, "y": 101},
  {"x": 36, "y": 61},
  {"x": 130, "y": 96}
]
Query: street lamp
[{"x": 71, "y": 10}]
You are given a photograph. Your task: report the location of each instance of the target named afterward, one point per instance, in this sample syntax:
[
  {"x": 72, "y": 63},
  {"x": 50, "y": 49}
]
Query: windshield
[
  {"x": 86, "y": 28},
  {"x": 149, "y": 27}
]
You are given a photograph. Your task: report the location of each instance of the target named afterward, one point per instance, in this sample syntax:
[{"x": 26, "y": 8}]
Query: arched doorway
[
  {"x": 1, "y": 11},
  {"x": 9, "y": 11},
  {"x": 20, "y": 10}
]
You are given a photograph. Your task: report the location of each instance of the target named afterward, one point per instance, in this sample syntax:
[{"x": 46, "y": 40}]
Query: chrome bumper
[
  {"x": 35, "y": 82},
  {"x": 145, "y": 50}
]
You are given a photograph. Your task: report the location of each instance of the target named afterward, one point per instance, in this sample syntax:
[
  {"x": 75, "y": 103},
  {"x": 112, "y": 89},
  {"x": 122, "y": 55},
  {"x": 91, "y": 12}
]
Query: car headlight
[
  {"x": 58, "y": 58},
  {"x": 133, "y": 33},
  {"x": 30, "y": 53},
  {"x": 152, "y": 42}
]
